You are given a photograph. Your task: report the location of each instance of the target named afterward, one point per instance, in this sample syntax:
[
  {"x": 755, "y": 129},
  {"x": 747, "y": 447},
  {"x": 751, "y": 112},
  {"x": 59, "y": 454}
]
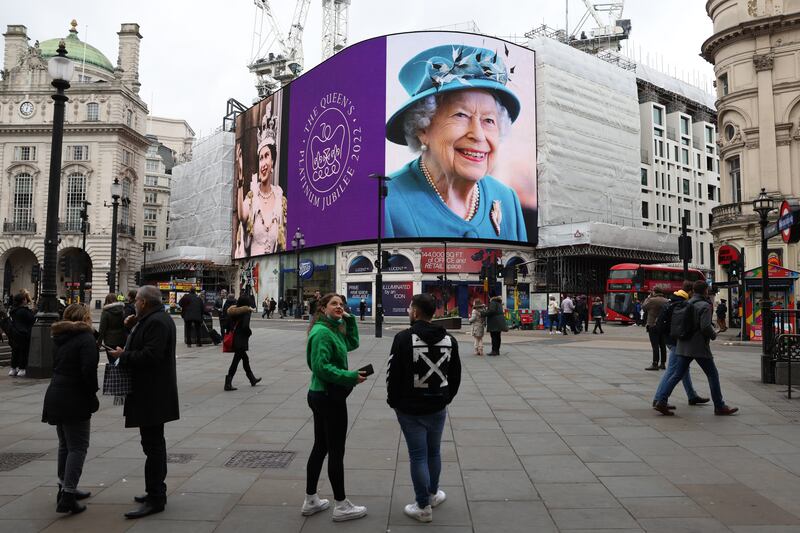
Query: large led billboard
[{"x": 449, "y": 117}]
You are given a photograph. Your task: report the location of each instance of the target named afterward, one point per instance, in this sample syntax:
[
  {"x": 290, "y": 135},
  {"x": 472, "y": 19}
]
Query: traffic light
[
  {"x": 514, "y": 275},
  {"x": 35, "y": 274},
  {"x": 108, "y": 278},
  {"x": 137, "y": 277},
  {"x": 498, "y": 268},
  {"x": 685, "y": 248},
  {"x": 385, "y": 259},
  {"x": 734, "y": 270},
  {"x": 482, "y": 274}
]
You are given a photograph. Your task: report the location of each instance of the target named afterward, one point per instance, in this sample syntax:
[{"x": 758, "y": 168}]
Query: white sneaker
[
  {"x": 21, "y": 373},
  {"x": 12, "y": 372},
  {"x": 313, "y": 504},
  {"x": 345, "y": 510},
  {"x": 436, "y": 499},
  {"x": 423, "y": 515}
]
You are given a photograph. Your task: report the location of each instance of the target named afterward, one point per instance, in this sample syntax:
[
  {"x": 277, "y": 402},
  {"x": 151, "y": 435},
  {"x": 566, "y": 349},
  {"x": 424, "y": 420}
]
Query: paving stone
[
  {"x": 739, "y": 505},
  {"x": 576, "y": 496},
  {"x": 640, "y": 486},
  {"x": 488, "y": 458},
  {"x": 593, "y": 518},
  {"x": 664, "y": 507},
  {"x": 498, "y": 485},
  {"x": 510, "y": 517}
]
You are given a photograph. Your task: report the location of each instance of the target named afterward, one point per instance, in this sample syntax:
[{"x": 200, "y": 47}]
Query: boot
[
  {"x": 69, "y": 504},
  {"x": 228, "y": 385},
  {"x": 253, "y": 380},
  {"x": 79, "y": 494}
]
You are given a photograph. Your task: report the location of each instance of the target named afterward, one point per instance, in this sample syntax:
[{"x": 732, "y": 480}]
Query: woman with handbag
[
  {"x": 71, "y": 399},
  {"x": 332, "y": 334},
  {"x": 239, "y": 317}
]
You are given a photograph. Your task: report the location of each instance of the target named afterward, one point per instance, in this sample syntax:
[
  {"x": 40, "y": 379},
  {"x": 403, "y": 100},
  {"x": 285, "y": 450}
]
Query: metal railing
[
  {"x": 124, "y": 229},
  {"x": 72, "y": 226},
  {"x": 24, "y": 226},
  {"x": 785, "y": 346}
]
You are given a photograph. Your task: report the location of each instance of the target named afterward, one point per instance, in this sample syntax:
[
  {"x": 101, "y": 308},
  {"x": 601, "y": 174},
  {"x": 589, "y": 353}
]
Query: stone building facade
[
  {"x": 755, "y": 50},
  {"x": 104, "y": 140}
]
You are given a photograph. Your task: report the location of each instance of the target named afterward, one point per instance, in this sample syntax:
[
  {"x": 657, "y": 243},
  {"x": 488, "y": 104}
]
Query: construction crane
[
  {"x": 609, "y": 31},
  {"x": 276, "y": 69},
  {"x": 334, "y": 26}
]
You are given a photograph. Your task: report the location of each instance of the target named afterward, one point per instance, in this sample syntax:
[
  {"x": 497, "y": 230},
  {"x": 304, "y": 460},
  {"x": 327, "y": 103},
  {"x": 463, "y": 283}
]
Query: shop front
[{"x": 317, "y": 273}]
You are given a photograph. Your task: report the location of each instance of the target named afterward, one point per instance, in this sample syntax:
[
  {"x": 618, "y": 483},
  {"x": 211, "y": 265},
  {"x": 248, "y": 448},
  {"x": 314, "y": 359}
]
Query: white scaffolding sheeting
[
  {"x": 607, "y": 235},
  {"x": 202, "y": 200},
  {"x": 674, "y": 85}
]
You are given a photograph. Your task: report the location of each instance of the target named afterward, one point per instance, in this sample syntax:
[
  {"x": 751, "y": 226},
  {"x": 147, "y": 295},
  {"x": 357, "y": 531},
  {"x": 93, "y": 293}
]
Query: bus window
[{"x": 622, "y": 274}]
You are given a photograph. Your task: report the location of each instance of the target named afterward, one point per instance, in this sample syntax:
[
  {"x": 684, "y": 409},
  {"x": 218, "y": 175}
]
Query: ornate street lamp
[
  {"x": 298, "y": 243},
  {"x": 60, "y": 68},
  {"x": 763, "y": 205},
  {"x": 116, "y": 193}
]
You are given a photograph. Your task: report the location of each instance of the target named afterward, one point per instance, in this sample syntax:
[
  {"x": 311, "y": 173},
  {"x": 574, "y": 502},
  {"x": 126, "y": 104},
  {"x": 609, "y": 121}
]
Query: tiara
[{"x": 268, "y": 132}]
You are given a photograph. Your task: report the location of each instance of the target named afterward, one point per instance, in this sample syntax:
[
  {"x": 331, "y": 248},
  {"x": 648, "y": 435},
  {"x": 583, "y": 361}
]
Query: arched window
[
  {"x": 23, "y": 202},
  {"x": 76, "y": 194},
  {"x": 125, "y": 207},
  {"x": 93, "y": 111},
  {"x": 129, "y": 118}
]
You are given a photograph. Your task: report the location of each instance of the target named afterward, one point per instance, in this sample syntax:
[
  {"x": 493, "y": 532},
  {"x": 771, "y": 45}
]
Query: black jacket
[
  {"x": 424, "y": 369},
  {"x": 23, "y": 319},
  {"x": 240, "y": 320},
  {"x": 150, "y": 357},
  {"x": 112, "y": 328},
  {"x": 192, "y": 307},
  {"x": 231, "y": 300},
  {"x": 72, "y": 393}
]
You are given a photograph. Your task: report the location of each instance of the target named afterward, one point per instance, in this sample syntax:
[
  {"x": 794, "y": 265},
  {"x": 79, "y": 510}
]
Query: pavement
[{"x": 556, "y": 434}]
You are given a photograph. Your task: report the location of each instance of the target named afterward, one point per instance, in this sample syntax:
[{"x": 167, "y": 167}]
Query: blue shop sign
[{"x": 306, "y": 268}]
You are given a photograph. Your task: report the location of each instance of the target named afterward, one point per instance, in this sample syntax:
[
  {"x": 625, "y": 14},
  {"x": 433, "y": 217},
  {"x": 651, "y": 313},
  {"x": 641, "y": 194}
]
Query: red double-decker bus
[{"x": 630, "y": 281}]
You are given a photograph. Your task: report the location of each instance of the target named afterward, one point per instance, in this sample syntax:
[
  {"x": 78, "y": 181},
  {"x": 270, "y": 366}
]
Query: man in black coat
[
  {"x": 149, "y": 356},
  {"x": 192, "y": 312}
]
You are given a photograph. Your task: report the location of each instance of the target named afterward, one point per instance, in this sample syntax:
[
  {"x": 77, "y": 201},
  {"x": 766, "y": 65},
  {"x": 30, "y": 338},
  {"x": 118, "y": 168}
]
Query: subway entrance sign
[{"x": 788, "y": 224}]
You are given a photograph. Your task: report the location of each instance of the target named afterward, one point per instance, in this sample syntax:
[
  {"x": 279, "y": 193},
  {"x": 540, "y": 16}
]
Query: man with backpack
[
  {"x": 663, "y": 323},
  {"x": 691, "y": 324}
]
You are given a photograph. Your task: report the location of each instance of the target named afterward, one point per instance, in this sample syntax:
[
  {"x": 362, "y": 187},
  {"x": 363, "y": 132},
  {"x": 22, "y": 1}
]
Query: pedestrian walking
[
  {"x": 332, "y": 334},
  {"x": 192, "y": 313},
  {"x": 568, "y": 314},
  {"x": 70, "y": 400},
  {"x": 722, "y": 313},
  {"x": 552, "y": 314},
  {"x": 149, "y": 356},
  {"x": 265, "y": 307},
  {"x": 478, "y": 321},
  {"x": 697, "y": 348},
  {"x": 112, "y": 323},
  {"x": 282, "y": 307},
  {"x": 362, "y": 308},
  {"x": 598, "y": 315},
  {"x": 224, "y": 321},
  {"x": 495, "y": 323},
  {"x": 652, "y": 307},
  {"x": 664, "y": 321},
  {"x": 272, "y": 306},
  {"x": 582, "y": 314},
  {"x": 239, "y": 316},
  {"x": 21, "y": 324},
  {"x": 419, "y": 389}
]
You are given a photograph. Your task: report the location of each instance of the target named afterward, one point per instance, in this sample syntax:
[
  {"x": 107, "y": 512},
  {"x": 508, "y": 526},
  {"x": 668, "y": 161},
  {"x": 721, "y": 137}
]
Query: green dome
[{"x": 75, "y": 51}]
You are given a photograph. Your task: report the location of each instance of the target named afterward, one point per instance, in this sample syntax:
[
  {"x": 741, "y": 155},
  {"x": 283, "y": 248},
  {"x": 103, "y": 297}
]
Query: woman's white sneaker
[
  {"x": 314, "y": 504},
  {"x": 345, "y": 510},
  {"x": 12, "y": 372},
  {"x": 436, "y": 499},
  {"x": 21, "y": 373},
  {"x": 424, "y": 514}
]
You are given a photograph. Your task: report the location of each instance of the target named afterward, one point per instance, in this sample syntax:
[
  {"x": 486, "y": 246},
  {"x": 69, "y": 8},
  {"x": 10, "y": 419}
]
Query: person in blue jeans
[
  {"x": 423, "y": 376},
  {"x": 697, "y": 348},
  {"x": 672, "y": 360}
]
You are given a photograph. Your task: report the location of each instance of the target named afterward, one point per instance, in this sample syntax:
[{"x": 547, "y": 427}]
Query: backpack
[
  {"x": 664, "y": 320},
  {"x": 683, "y": 323}
]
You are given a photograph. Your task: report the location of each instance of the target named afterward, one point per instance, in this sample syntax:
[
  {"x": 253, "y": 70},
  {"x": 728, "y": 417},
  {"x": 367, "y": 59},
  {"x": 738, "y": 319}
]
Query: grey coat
[
  {"x": 478, "y": 321},
  {"x": 698, "y": 346}
]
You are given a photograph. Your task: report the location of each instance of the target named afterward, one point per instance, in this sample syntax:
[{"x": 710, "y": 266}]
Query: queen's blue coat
[{"x": 413, "y": 209}]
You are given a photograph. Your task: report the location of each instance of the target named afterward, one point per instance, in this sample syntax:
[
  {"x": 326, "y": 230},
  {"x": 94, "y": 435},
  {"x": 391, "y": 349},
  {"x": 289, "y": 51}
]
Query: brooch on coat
[{"x": 496, "y": 216}]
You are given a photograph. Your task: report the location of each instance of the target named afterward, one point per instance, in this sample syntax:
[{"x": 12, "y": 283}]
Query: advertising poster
[
  {"x": 359, "y": 265},
  {"x": 356, "y": 291},
  {"x": 434, "y": 288},
  {"x": 397, "y": 297},
  {"x": 523, "y": 294},
  {"x": 459, "y": 260}
]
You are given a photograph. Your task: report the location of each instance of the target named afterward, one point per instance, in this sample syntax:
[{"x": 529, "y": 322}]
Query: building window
[
  {"x": 23, "y": 200},
  {"x": 76, "y": 194},
  {"x": 722, "y": 84},
  {"x": 151, "y": 181},
  {"x": 700, "y": 220},
  {"x": 149, "y": 231},
  {"x": 150, "y": 214},
  {"x": 686, "y": 187},
  {"x": 658, "y": 115},
  {"x": 129, "y": 118},
  {"x": 645, "y": 210},
  {"x": 93, "y": 111},
  {"x": 670, "y": 213},
  {"x": 685, "y": 156},
  {"x": 78, "y": 152},
  {"x": 702, "y": 253},
  {"x": 675, "y": 153},
  {"x": 710, "y": 164},
  {"x": 150, "y": 246},
  {"x": 127, "y": 157},
  {"x": 685, "y": 126},
  {"x": 151, "y": 165},
  {"x": 24, "y": 153},
  {"x": 709, "y": 135},
  {"x": 84, "y": 79},
  {"x": 125, "y": 209},
  {"x": 644, "y": 176},
  {"x": 150, "y": 198},
  {"x": 735, "y": 174}
]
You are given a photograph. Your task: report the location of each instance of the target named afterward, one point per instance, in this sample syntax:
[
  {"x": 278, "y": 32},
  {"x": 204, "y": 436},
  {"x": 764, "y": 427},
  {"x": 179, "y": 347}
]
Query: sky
[{"x": 194, "y": 53}]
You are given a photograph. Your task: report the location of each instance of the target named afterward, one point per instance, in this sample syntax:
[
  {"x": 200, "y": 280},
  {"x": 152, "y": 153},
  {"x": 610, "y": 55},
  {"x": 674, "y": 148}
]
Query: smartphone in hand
[{"x": 368, "y": 370}]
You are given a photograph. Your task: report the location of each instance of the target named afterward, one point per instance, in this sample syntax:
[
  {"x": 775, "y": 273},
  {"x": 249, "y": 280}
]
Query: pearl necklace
[{"x": 475, "y": 194}]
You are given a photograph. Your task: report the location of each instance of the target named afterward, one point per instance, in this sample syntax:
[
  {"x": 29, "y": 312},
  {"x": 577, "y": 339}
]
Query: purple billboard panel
[
  {"x": 335, "y": 142},
  {"x": 397, "y": 297}
]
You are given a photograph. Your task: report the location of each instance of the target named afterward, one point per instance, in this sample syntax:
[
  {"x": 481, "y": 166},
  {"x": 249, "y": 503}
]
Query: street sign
[{"x": 789, "y": 222}]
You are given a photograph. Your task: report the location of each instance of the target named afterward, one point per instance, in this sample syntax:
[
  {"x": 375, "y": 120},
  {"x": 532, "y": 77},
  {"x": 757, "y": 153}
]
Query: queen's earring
[{"x": 424, "y": 147}]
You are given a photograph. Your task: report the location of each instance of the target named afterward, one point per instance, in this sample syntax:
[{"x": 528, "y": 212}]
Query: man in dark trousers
[
  {"x": 192, "y": 308},
  {"x": 722, "y": 314},
  {"x": 423, "y": 376},
  {"x": 282, "y": 307},
  {"x": 362, "y": 308},
  {"x": 495, "y": 323},
  {"x": 19, "y": 334},
  {"x": 149, "y": 356}
]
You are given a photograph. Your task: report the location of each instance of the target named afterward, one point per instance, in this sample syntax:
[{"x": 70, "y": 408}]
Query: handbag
[
  {"x": 215, "y": 337},
  {"x": 116, "y": 383},
  {"x": 227, "y": 341}
]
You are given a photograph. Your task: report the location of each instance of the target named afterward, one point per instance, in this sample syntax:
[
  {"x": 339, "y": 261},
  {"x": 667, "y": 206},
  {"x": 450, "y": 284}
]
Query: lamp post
[
  {"x": 60, "y": 69},
  {"x": 383, "y": 192},
  {"x": 763, "y": 205},
  {"x": 84, "y": 263},
  {"x": 116, "y": 193},
  {"x": 298, "y": 243}
]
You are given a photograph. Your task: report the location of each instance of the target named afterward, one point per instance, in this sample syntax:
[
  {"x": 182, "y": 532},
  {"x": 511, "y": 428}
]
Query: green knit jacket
[{"x": 326, "y": 353}]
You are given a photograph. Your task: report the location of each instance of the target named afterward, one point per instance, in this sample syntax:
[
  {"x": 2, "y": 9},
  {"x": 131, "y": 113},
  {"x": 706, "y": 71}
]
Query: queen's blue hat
[{"x": 448, "y": 68}]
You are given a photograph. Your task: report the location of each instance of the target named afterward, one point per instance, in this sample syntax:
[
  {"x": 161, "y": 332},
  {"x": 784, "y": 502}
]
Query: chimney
[
  {"x": 128, "y": 61},
  {"x": 16, "y": 44}
]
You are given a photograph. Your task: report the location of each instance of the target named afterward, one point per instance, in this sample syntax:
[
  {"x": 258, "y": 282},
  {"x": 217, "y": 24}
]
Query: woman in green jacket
[{"x": 333, "y": 333}]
